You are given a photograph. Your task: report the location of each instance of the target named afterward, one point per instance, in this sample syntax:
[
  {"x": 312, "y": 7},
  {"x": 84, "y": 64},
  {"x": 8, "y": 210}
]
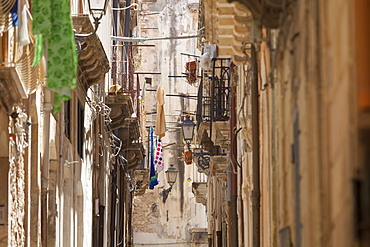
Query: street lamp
[
  {"x": 171, "y": 175},
  {"x": 188, "y": 130},
  {"x": 97, "y": 14},
  {"x": 188, "y": 133}
]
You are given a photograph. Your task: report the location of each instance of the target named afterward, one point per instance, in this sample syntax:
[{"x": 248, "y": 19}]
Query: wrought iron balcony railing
[
  {"x": 123, "y": 74},
  {"x": 214, "y": 93},
  {"x": 213, "y": 102}
]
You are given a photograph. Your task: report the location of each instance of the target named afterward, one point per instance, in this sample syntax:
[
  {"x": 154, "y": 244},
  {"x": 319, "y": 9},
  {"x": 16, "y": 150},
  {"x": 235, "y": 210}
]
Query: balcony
[
  {"x": 199, "y": 236},
  {"x": 218, "y": 166},
  {"x": 17, "y": 77},
  {"x": 203, "y": 136},
  {"x": 199, "y": 189},
  {"x": 142, "y": 181},
  {"x": 92, "y": 60},
  {"x": 199, "y": 186},
  {"x": 121, "y": 108},
  {"x": 12, "y": 90},
  {"x": 232, "y": 26},
  {"x": 221, "y": 134},
  {"x": 128, "y": 132},
  {"x": 213, "y": 111},
  {"x": 134, "y": 153},
  {"x": 267, "y": 11}
]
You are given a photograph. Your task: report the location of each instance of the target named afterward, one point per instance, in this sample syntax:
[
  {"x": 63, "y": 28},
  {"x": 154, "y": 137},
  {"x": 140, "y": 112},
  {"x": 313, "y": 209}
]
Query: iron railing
[
  {"x": 214, "y": 93},
  {"x": 214, "y": 98},
  {"x": 123, "y": 74}
]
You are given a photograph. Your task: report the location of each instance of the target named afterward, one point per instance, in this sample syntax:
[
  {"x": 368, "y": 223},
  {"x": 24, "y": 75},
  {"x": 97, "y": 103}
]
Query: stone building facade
[
  {"x": 281, "y": 151},
  {"x": 58, "y": 169},
  {"x": 181, "y": 219},
  {"x": 297, "y": 123}
]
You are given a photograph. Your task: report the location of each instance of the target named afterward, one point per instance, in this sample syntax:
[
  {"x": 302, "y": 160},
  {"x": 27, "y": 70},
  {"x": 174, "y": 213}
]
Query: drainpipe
[
  {"x": 255, "y": 142},
  {"x": 210, "y": 207},
  {"x": 126, "y": 33},
  {"x": 114, "y": 48},
  {"x": 113, "y": 201},
  {"x": 217, "y": 237},
  {"x": 233, "y": 172},
  {"x": 47, "y": 107}
]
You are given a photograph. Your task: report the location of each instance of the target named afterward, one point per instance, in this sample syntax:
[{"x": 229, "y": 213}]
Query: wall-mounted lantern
[
  {"x": 171, "y": 175},
  {"x": 188, "y": 127}
]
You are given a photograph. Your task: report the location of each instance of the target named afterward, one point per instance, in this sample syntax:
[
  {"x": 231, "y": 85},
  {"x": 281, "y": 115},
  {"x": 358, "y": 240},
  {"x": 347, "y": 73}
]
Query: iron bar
[
  {"x": 256, "y": 194},
  {"x": 190, "y": 55},
  {"x": 233, "y": 171},
  {"x": 182, "y": 96},
  {"x": 147, "y": 73},
  {"x": 134, "y": 45},
  {"x": 134, "y": 39}
]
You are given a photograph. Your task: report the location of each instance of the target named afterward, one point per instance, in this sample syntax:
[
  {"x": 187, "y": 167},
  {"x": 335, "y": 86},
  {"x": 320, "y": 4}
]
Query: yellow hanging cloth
[{"x": 160, "y": 126}]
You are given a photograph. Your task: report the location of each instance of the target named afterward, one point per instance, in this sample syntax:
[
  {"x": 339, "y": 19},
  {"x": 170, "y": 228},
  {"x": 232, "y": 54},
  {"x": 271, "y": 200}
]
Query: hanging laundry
[
  {"x": 14, "y": 13},
  {"x": 23, "y": 35},
  {"x": 158, "y": 161},
  {"x": 52, "y": 22},
  {"x": 153, "y": 176},
  {"x": 160, "y": 124}
]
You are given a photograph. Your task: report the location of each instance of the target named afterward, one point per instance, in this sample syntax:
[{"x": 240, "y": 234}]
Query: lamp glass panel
[
  {"x": 188, "y": 130},
  {"x": 171, "y": 176}
]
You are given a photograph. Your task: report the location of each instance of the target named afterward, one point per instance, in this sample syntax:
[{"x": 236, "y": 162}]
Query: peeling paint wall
[{"x": 172, "y": 221}]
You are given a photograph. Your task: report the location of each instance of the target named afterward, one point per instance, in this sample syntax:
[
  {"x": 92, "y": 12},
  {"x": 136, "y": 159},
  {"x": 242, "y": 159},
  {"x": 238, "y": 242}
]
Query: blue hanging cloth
[
  {"x": 14, "y": 13},
  {"x": 153, "y": 176}
]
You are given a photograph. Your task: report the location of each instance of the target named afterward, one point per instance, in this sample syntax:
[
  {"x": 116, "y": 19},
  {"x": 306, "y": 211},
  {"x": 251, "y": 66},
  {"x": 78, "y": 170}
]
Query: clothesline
[{"x": 135, "y": 39}]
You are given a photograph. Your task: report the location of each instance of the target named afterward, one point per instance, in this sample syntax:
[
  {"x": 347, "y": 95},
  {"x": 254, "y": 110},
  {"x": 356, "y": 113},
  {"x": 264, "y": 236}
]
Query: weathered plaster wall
[
  {"x": 4, "y": 161},
  {"x": 339, "y": 146},
  {"x": 35, "y": 173},
  {"x": 313, "y": 90},
  {"x": 72, "y": 189},
  {"x": 154, "y": 220},
  {"x": 314, "y": 78},
  {"x": 309, "y": 191},
  {"x": 4, "y": 166}
]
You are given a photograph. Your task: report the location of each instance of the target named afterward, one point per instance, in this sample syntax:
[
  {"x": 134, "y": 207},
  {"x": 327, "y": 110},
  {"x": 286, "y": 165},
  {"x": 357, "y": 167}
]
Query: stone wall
[
  {"x": 17, "y": 201},
  {"x": 146, "y": 213},
  {"x": 307, "y": 114},
  {"x": 153, "y": 220},
  {"x": 4, "y": 166}
]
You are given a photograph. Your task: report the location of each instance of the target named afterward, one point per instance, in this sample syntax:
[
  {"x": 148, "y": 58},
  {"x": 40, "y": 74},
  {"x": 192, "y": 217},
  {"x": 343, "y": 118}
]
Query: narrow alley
[{"x": 190, "y": 123}]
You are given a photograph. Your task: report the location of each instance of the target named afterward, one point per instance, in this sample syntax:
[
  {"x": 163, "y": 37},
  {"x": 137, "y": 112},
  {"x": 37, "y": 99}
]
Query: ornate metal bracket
[
  {"x": 203, "y": 159},
  {"x": 165, "y": 194}
]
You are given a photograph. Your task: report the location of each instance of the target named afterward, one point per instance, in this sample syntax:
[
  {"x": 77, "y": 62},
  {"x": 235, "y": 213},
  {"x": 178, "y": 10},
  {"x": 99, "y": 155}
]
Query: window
[
  {"x": 67, "y": 119},
  {"x": 80, "y": 129}
]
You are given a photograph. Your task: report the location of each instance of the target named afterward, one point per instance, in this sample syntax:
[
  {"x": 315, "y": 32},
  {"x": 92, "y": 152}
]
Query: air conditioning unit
[
  {"x": 209, "y": 52},
  {"x": 211, "y": 49}
]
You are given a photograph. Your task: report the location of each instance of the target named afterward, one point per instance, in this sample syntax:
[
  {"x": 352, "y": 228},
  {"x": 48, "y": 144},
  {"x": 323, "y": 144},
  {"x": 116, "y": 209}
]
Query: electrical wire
[
  {"x": 234, "y": 140},
  {"x": 188, "y": 242},
  {"x": 124, "y": 8}
]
